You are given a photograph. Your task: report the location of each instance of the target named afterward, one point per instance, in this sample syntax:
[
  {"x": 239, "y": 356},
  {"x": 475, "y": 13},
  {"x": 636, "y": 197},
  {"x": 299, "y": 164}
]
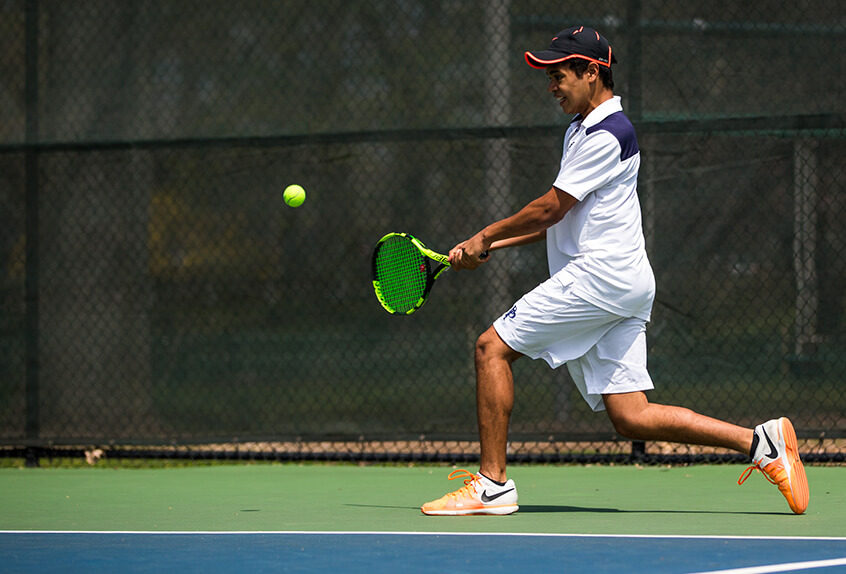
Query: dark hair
[{"x": 579, "y": 66}]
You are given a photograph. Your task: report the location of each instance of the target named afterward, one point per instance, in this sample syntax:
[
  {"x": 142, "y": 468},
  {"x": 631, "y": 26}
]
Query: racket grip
[{"x": 484, "y": 254}]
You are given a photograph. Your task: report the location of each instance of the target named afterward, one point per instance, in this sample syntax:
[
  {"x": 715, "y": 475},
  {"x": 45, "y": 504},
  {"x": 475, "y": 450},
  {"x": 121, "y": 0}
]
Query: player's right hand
[{"x": 468, "y": 254}]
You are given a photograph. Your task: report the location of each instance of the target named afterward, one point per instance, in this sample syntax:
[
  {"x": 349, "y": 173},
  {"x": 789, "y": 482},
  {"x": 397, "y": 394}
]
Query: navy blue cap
[{"x": 575, "y": 42}]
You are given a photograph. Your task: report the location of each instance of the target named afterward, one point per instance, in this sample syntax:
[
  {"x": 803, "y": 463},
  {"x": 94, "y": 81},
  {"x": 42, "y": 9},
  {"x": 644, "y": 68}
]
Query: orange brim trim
[{"x": 541, "y": 64}]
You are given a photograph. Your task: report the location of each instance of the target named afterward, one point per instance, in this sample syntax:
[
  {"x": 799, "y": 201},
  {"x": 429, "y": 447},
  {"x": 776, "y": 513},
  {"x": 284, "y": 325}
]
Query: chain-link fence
[{"x": 157, "y": 297}]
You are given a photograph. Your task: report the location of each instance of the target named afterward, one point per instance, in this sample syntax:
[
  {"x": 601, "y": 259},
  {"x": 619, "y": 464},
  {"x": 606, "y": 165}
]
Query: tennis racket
[{"x": 404, "y": 271}]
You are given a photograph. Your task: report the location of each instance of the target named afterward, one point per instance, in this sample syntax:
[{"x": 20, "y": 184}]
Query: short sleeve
[{"x": 589, "y": 165}]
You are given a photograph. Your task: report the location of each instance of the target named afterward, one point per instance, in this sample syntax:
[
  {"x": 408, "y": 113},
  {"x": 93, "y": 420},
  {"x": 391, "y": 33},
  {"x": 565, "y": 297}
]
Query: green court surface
[{"x": 694, "y": 500}]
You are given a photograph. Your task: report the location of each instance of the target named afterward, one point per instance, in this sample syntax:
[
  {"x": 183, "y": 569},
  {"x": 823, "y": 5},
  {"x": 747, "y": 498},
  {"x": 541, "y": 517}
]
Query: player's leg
[
  {"x": 494, "y": 401},
  {"x": 771, "y": 445},
  {"x": 489, "y": 491},
  {"x": 635, "y": 417},
  {"x": 616, "y": 364}
]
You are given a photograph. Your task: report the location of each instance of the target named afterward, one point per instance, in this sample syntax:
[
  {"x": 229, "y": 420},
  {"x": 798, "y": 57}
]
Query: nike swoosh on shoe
[
  {"x": 773, "y": 454},
  {"x": 486, "y": 498}
]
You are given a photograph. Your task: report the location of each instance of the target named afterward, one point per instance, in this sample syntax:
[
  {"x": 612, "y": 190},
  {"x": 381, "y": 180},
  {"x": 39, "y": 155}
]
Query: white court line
[
  {"x": 406, "y": 533},
  {"x": 787, "y": 567}
]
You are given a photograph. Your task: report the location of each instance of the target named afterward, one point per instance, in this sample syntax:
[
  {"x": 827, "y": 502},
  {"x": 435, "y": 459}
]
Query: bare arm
[
  {"x": 516, "y": 241},
  {"x": 526, "y": 226}
]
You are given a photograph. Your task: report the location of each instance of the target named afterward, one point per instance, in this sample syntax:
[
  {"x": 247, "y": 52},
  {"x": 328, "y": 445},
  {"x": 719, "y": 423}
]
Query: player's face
[{"x": 572, "y": 92}]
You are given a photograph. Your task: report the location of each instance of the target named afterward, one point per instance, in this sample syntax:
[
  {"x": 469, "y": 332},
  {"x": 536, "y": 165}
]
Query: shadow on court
[
  {"x": 546, "y": 508},
  {"x": 563, "y": 509}
]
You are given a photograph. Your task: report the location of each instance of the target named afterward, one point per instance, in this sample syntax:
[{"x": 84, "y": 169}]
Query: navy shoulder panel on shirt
[{"x": 619, "y": 126}]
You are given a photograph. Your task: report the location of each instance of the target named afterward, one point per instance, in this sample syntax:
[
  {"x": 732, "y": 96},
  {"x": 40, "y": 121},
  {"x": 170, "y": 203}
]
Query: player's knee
[
  {"x": 630, "y": 414},
  {"x": 626, "y": 423},
  {"x": 484, "y": 346},
  {"x": 490, "y": 347}
]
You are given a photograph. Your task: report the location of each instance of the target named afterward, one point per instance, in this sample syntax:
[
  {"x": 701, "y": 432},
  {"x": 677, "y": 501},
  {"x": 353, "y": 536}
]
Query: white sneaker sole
[{"x": 493, "y": 510}]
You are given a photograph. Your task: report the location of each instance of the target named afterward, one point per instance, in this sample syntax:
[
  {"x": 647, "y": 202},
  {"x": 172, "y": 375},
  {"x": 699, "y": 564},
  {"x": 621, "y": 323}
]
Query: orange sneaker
[
  {"x": 777, "y": 457},
  {"x": 479, "y": 495}
]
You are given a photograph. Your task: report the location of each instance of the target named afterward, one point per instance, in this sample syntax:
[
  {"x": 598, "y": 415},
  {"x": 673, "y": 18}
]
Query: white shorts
[{"x": 605, "y": 353}]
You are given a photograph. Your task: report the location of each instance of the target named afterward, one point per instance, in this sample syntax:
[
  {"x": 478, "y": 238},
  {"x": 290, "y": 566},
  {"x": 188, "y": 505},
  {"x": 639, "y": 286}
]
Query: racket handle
[{"x": 483, "y": 255}]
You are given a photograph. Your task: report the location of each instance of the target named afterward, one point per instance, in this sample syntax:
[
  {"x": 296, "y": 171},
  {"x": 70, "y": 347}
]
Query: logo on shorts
[{"x": 512, "y": 313}]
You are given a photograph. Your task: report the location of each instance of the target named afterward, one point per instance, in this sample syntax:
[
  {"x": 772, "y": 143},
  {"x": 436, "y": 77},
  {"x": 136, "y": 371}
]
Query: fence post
[
  {"x": 805, "y": 181},
  {"x": 497, "y": 114},
  {"x": 33, "y": 423},
  {"x": 634, "y": 105},
  {"x": 638, "y": 451}
]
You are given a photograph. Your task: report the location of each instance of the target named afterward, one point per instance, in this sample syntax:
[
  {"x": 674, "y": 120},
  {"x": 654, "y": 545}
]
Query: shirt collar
[{"x": 602, "y": 111}]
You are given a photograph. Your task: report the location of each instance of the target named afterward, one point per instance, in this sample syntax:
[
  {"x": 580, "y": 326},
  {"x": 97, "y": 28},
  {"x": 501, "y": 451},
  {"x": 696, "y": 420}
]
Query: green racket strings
[{"x": 401, "y": 274}]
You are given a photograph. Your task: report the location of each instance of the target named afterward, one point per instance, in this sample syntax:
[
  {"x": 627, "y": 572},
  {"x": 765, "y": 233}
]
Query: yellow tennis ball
[{"x": 294, "y": 195}]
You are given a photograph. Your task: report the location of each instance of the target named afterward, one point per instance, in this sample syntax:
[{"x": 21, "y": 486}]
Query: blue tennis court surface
[{"x": 410, "y": 552}]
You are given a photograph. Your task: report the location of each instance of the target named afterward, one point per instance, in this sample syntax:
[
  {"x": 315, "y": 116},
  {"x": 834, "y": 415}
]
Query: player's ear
[{"x": 593, "y": 71}]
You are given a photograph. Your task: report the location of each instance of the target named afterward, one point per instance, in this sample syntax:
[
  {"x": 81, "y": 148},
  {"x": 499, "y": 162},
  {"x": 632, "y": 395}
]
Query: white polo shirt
[{"x": 600, "y": 240}]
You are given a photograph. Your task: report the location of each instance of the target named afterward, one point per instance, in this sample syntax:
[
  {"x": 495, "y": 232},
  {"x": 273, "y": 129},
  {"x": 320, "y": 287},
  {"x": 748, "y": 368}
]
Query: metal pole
[
  {"x": 33, "y": 422},
  {"x": 805, "y": 245},
  {"x": 497, "y": 182}
]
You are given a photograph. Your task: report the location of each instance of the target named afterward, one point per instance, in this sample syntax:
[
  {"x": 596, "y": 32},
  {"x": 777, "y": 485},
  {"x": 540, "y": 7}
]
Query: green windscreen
[{"x": 399, "y": 274}]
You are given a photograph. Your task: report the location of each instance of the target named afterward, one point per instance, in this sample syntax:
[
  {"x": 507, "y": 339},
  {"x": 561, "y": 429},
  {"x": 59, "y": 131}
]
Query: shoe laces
[
  {"x": 469, "y": 480},
  {"x": 752, "y": 469}
]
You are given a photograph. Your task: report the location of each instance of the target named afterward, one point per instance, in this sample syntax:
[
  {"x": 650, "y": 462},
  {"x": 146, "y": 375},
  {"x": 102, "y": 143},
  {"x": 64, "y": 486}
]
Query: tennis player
[{"x": 591, "y": 313}]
